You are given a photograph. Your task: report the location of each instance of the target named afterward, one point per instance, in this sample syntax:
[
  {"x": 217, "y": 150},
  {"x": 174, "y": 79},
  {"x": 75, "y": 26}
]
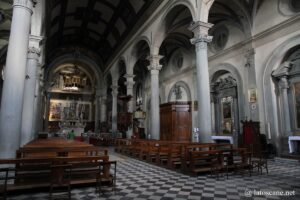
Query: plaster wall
[{"x": 269, "y": 14}]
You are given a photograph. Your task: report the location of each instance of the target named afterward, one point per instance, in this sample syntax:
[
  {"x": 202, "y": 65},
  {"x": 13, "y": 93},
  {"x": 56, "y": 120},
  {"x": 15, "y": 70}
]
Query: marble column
[
  {"x": 200, "y": 40},
  {"x": 38, "y": 100},
  {"x": 47, "y": 110},
  {"x": 114, "y": 114},
  {"x": 284, "y": 85},
  {"x": 129, "y": 84},
  {"x": 154, "y": 68},
  {"x": 97, "y": 108},
  {"x": 13, "y": 86},
  {"x": 27, "y": 130},
  {"x": 103, "y": 115}
]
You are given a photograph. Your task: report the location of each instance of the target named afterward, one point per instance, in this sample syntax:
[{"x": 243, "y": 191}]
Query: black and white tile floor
[{"x": 139, "y": 180}]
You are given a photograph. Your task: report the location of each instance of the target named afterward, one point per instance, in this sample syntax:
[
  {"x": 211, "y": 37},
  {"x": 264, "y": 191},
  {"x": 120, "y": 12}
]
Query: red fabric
[
  {"x": 248, "y": 135},
  {"x": 79, "y": 138}
]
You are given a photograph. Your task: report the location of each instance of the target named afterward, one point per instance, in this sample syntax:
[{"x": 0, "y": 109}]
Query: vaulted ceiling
[{"x": 96, "y": 27}]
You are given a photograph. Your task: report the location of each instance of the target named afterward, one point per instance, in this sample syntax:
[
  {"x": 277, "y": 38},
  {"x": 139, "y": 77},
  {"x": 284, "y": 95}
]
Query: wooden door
[{"x": 182, "y": 122}]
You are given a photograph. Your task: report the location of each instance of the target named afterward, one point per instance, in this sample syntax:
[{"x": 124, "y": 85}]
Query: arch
[
  {"x": 203, "y": 12},
  {"x": 214, "y": 72},
  {"x": 236, "y": 15},
  {"x": 268, "y": 87},
  {"x": 122, "y": 61},
  {"x": 138, "y": 40},
  {"x": 160, "y": 31},
  {"x": 135, "y": 48},
  {"x": 185, "y": 3},
  {"x": 185, "y": 86}
]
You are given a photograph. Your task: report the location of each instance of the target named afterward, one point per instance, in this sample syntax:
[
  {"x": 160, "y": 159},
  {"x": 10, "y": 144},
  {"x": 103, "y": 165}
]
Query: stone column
[
  {"x": 114, "y": 114},
  {"x": 37, "y": 100},
  {"x": 97, "y": 107},
  {"x": 103, "y": 117},
  {"x": 47, "y": 111},
  {"x": 154, "y": 68},
  {"x": 129, "y": 83},
  {"x": 27, "y": 130},
  {"x": 200, "y": 40},
  {"x": 284, "y": 85},
  {"x": 12, "y": 94}
]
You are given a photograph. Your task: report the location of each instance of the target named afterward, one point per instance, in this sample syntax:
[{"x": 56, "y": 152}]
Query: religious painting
[
  {"x": 226, "y": 108},
  {"x": 297, "y": 102},
  {"x": 69, "y": 110},
  {"x": 252, "y": 95},
  {"x": 55, "y": 111}
]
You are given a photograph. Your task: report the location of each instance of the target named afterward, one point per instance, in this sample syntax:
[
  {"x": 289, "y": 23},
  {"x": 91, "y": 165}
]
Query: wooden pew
[
  {"x": 175, "y": 154},
  {"x": 163, "y": 153},
  {"x": 35, "y": 172},
  {"x": 143, "y": 154},
  {"x": 205, "y": 161},
  {"x": 51, "y": 152},
  {"x": 152, "y": 150},
  {"x": 120, "y": 143},
  {"x": 195, "y": 147}
]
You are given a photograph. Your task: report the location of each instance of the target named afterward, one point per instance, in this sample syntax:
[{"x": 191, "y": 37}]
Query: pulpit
[{"x": 124, "y": 117}]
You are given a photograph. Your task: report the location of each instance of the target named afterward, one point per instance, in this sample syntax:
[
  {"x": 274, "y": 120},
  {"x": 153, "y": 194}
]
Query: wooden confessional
[{"x": 176, "y": 121}]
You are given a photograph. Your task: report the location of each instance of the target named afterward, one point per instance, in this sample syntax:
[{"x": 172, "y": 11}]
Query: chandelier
[{"x": 74, "y": 81}]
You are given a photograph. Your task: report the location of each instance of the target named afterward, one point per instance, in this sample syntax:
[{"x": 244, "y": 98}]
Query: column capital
[
  {"x": 103, "y": 97},
  {"x": 34, "y": 52},
  {"x": 154, "y": 62},
  {"x": 26, "y": 4},
  {"x": 129, "y": 80},
  {"x": 200, "y": 30},
  {"x": 114, "y": 91},
  {"x": 284, "y": 83},
  {"x": 129, "y": 76}
]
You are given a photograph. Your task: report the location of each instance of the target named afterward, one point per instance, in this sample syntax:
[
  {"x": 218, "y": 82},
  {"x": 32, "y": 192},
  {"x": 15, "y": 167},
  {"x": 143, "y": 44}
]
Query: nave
[{"x": 141, "y": 180}]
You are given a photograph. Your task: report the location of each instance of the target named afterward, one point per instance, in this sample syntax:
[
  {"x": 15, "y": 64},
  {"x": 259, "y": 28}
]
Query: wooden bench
[
  {"x": 205, "y": 161},
  {"x": 187, "y": 149},
  {"x": 35, "y": 172},
  {"x": 119, "y": 144},
  {"x": 51, "y": 152},
  {"x": 237, "y": 160}
]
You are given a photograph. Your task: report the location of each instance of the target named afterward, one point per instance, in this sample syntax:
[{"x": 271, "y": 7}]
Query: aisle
[{"x": 140, "y": 180}]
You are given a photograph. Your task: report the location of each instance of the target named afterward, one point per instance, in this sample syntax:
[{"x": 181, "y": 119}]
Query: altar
[
  {"x": 293, "y": 143},
  {"x": 66, "y": 127},
  {"x": 222, "y": 138}
]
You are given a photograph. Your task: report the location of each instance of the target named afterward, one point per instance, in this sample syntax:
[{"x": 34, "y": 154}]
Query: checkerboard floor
[{"x": 140, "y": 180}]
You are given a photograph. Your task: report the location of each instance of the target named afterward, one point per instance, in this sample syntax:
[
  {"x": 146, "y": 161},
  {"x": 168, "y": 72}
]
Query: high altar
[{"x": 77, "y": 127}]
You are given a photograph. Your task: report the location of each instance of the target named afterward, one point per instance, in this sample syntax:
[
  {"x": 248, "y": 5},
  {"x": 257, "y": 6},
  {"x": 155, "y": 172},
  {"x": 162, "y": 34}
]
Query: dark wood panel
[{"x": 175, "y": 121}]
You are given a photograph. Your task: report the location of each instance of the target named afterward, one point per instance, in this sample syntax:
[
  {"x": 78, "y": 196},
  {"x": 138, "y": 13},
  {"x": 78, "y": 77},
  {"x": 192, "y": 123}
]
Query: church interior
[{"x": 150, "y": 99}]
